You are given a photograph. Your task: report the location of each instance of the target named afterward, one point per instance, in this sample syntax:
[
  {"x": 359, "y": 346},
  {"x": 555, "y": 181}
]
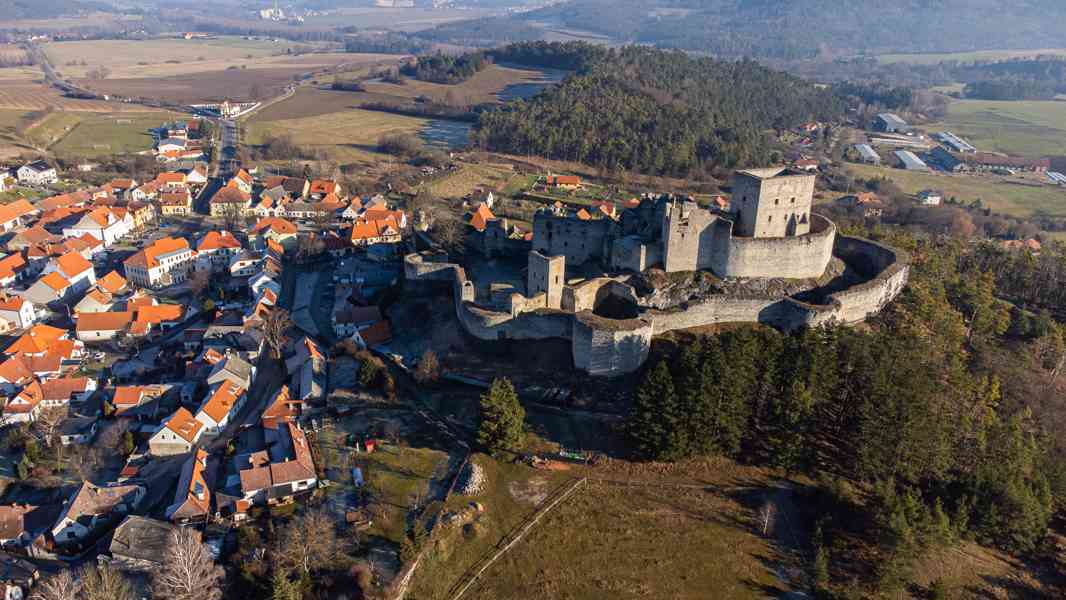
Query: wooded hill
[
  {"x": 655, "y": 111},
  {"x": 790, "y": 30}
]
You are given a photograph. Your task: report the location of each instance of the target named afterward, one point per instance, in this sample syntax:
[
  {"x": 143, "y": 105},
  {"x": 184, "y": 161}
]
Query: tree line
[
  {"x": 944, "y": 408},
  {"x": 447, "y": 69},
  {"x": 658, "y": 112}
]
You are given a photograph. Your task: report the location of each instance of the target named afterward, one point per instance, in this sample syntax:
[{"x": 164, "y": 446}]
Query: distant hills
[
  {"x": 47, "y": 9},
  {"x": 789, "y": 29}
]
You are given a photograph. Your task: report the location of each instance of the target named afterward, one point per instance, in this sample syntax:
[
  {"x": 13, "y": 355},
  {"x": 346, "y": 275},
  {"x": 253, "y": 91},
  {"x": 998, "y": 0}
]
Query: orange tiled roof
[
  {"x": 365, "y": 230},
  {"x": 218, "y": 240},
  {"x": 73, "y": 264},
  {"x": 160, "y": 313},
  {"x": 104, "y": 321},
  {"x": 149, "y": 257},
  {"x": 128, "y": 396},
  {"x": 184, "y": 425},
  {"x": 221, "y": 402},
  {"x": 55, "y": 281},
  {"x": 481, "y": 217},
  {"x": 275, "y": 224},
  {"x": 38, "y": 339},
  {"x": 112, "y": 283}
]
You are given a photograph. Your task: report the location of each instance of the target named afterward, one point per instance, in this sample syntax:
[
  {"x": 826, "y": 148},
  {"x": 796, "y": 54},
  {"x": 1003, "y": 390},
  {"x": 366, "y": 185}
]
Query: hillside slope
[{"x": 805, "y": 28}]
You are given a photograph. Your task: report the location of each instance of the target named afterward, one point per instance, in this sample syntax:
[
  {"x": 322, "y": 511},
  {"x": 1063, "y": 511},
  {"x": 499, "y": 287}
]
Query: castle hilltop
[{"x": 766, "y": 258}]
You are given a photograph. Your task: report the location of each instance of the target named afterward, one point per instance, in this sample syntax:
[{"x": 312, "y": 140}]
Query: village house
[
  {"x": 16, "y": 214},
  {"x": 92, "y": 506},
  {"x": 23, "y": 526},
  {"x": 242, "y": 181},
  {"x": 275, "y": 476},
  {"x": 60, "y": 392},
  {"x": 177, "y": 435},
  {"x": 296, "y": 187},
  {"x": 192, "y": 498},
  {"x": 102, "y": 326},
  {"x": 17, "y": 576},
  {"x": 244, "y": 264},
  {"x": 321, "y": 188},
  {"x": 223, "y": 403},
  {"x": 95, "y": 300},
  {"x": 25, "y": 406},
  {"x": 866, "y": 203},
  {"x": 370, "y": 232},
  {"x": 13, "y": 268},
  {"x": 230, "y": 202},
  {"x": 930, "y": 198},
  {"x": 49, "y": 290},
  {"x": 138, "y": 544},
  {"x": 166, "y": 262},
  {"x": 75, "y": 269},
  {"x": 129, "y": 397},
  {"x": 175, "y": 203},
  {"x": 103, "y": 224},
  {"x": 113, "y": 284},
  {"x": 17, "y": 312},
  {"x": 121, "y": 187},
  {"x": 276, "y": 230},
  {"x": 37, "y": 173},
  {"x": 216, "y": 249},
  {"x": 563, "y": 182}
]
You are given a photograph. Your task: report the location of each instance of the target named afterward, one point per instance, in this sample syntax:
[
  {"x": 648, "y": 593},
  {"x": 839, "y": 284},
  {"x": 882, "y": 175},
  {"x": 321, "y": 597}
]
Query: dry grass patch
[
  {"x": 346, "y": 136},
  {"x": 468, "y": 178},
  {"x": 480, "y": 88}
]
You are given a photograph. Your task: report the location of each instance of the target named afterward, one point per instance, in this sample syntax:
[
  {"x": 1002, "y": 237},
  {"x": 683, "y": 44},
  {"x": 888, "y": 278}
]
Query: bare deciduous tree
[
  {"x": 449, "y": 230},
  {"x": 104, "y": 582},
  {"x": 428, "y": 369},
  {"x": 199, "y": 281},
  {"x": 274, "y": 326},
  {"x": 308, "y": 542},
  {"x": 61, "y": 586},
  {"x": 188, "y": 572},
  {"x": 46, "y": 426},
  {"x": 766, "y": 517}
]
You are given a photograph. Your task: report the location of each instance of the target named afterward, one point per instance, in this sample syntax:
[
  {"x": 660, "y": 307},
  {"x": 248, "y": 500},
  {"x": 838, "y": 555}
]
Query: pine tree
[
  {"x": 283, "y": 588},
  {"x": 648, "y": 426},
  {"x": 502, "y": 418}
]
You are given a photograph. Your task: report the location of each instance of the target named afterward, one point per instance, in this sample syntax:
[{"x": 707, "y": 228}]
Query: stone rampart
[
  {"x": 607, "y": 347},
  {"x": 800, "y": 257}
]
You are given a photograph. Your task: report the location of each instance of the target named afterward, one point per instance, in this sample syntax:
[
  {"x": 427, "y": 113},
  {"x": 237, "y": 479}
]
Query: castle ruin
[{"x": 769, "y": 233}]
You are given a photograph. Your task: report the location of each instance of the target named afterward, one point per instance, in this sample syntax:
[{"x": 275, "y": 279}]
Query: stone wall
[
  {"x": 546, "y": 274},
  {"x": 579, "y": 241},
  {"x": 612, "y": 346},
  {"x": 800, "y": 257},
  {"x": 688, "y": 236},
  {"x": 608, "y": 347}
]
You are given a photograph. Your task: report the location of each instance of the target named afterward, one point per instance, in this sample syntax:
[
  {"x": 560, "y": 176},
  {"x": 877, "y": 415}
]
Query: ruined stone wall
[
  {"x": 888, "y": 269},
  {"x": 610, "y": 347},
  {"x": 687, "y": 236},
  {"x": 607, "y": 347},
  {"x": 588, "y": 294},
  {"x": 801, "y": 257},
  {"x": 579, "y": 241}
]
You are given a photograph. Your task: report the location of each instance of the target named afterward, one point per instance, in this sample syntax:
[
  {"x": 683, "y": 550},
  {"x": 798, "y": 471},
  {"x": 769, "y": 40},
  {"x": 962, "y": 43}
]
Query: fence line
[{"x": 536, "y": 517}]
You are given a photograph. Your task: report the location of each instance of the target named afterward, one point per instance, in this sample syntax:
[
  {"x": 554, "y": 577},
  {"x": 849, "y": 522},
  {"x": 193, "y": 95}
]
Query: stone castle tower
[
  {"x": 772, "y": 203},
  {"x": 546, "y": 274},
  {"x": 687, "y": 232}
]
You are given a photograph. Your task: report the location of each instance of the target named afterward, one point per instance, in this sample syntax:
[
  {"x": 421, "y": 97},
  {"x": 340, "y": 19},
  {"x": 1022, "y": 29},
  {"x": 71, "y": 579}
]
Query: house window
[
  {"x": 777, "y": 201},
  {"x": 770, "y": 219}
]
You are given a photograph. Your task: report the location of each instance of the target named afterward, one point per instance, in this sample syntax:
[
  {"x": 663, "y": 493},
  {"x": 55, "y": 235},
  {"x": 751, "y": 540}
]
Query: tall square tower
[{"x": 772, "y": 203}]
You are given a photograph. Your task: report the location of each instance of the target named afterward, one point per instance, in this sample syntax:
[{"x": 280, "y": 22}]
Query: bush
[{"x": 401, "y": 144}]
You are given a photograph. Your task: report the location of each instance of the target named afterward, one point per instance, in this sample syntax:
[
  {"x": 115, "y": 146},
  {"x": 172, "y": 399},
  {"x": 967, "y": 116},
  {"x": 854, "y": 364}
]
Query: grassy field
[
  {"x": 997, "y": 193},
  {"x": 604, "y": 542},
  {"x": 345, "y": 136},
  {"x": 1031, "y": 129},
  {"x": 480, "y": 88},
  {"x": 161, "y": 58},
  {"x": 932, "y": 59},
  {"x": 399, "y": 478},
  {"x": 100, "y": 135},
  {"x": 26, "y": 95},
  {"x": 468, "y": 178}
]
